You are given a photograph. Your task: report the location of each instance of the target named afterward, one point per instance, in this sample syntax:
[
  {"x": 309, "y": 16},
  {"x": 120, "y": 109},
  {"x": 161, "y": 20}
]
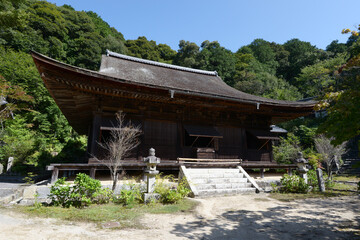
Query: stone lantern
[
  {"x": 301, "y": 164},
  {"x": 150, "y": 173}
]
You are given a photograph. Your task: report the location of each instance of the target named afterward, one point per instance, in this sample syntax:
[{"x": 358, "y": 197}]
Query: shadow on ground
[{"x": 316, "y": 219}]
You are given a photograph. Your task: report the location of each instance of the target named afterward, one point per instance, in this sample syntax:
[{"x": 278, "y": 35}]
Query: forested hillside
[{"x": 37, "y": 131}]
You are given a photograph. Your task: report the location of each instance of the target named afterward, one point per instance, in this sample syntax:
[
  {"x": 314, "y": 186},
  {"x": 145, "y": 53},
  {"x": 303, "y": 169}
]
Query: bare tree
[
  {"x": 331, "y": 154},
  {"x": 123, "y": 138}
]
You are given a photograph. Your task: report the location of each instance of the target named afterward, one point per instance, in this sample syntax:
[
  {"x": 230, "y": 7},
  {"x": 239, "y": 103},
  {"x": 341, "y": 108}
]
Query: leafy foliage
[
  {"x": 84, "y": 192},
  {"x": 315, "y": 160},
  {"x": 313, "y": 180},
  {"x": 305, "y": 135},
  {"x": 301, "y": 54},
  {"x": 318, "y": 77},
  {"x": 256, "y": 71},
  {"x": 343, "y": 105},
  {"x": 169, "y": 194},
  {"x": 286, "y": 152},
  {"x": 18, "y": 142},
  {"x": 293, "y": 184},
  {"x": 216, "y": 58},
  {"x": 13, "y": 98},
  {"x": 343, "y": 98},
  {"x": 129, "y": 197},
  {"x": 142, "y": 48}
]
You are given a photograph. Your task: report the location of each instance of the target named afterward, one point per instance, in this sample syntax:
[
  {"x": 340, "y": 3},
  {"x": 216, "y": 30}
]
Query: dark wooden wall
[
  {"x": 163, "y": 128},
  {"x": 162, "y": 136},
  {"x": 233, "y": 143}
]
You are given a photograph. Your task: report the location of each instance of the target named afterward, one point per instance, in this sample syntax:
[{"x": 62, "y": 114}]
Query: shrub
[
  {"x": 182, "y": 188},
  {"x": 128, "y": 197},
  {"x": 171, "y": 194},
  {"x": 84, "y": 192},
  {"x": 286, "y": 152},
  {"x": 293, "y": 184},
  {"x": 314, "y": 160},
  {"x": 60, "y": 193},
  {"x": 313, "y": 181}
]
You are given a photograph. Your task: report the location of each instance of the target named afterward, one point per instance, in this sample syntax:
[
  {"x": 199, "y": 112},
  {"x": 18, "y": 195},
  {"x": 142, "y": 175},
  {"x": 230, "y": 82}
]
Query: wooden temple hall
[{"x": 184, "y": 113}]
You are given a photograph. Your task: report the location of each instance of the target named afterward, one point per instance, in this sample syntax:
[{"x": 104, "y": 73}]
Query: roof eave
[{"x": 43, "y": 58}]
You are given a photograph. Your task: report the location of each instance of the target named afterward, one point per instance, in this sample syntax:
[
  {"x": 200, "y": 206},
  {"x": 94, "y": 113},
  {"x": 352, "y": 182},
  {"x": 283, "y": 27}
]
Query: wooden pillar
[
  {"x": 262, "y": 172},
  {"x": 92, "y": 172},
  {"x": 290, "y": 171},
  {"x": 244, "y": 143},
  {"x": 94, "y": 134},
  {"x": 54, "y": 175},
  {"x": 179, "y": 139},
  {"x": 271, "y": 150}
]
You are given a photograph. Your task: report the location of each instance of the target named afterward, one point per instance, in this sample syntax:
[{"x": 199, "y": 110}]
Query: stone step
[
  {"x": 223, "y": 186},
  {"x": 213, "y": 192},
  {"x": 212, "y": 170},
  {"x": 219, "y": 180},
  {"x": 350, "y": 166},
  {"x": 352, "y": 170},
  {"x": 216, "y": 175}
]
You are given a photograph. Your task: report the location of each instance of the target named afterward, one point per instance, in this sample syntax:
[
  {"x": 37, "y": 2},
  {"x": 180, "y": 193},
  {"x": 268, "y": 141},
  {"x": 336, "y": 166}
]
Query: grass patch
[
  {"x": 343, "y": 187},
  {"x": 262, "y": 199},
  {"x": 349, "y": 178},
  {"x": 187, "y": 205},
  {"x": 287, "y": 197},
  {"x": 128, "y": 217}
]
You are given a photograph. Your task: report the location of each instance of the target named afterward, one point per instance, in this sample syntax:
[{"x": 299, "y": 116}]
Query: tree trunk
[{"x": 115, "y": 179}]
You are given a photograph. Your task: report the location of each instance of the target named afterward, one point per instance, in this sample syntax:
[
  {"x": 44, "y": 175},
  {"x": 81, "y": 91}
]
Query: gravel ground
[{"x": 254, "y": 216}]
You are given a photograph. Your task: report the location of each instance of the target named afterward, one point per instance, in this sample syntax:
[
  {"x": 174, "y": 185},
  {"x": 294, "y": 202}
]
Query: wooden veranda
[{"x": 166, "y": 165}]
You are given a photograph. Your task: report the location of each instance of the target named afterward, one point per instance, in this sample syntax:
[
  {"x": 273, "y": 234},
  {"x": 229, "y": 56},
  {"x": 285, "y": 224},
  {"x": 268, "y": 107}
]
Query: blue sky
[{"x": 232, "y": 23}]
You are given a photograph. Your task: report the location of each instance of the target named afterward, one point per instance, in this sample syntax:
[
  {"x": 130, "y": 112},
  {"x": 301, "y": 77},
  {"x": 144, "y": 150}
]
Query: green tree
[
  {"x": 336, "y": 48},
  {"x": 342, "y": 102},
  {"x": 48, "y": 19},
  {"x": 166, "y": 53},
  {"x": 13, "y": 98},
  {"x": 264, "y": 53},
  {"x": 286, "y": 152},
  {"x": 142, "y": 48},
  {"x": 12, "y": 13},
  {"x": 213, "y": 57},
  {"x": 17, "y": 141},
  {"x": 306, "y": 136},
  {"x": 16, "y": 138},
  {"x": 314, "y": 79},
  {"x": 281, "y": 56},
  {"x": 267, "y": 85},
  {"x": 75, "y": 37},
  {"x": 342, "y": 105},
  {"x": 301, "y": 54},
  {"x": 187, "y": 54}
]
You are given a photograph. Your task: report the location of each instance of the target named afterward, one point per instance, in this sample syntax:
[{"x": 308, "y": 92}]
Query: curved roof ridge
[{"x": 165, "y": 65}]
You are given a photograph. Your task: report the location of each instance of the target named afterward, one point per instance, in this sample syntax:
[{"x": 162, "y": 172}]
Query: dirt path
[{"x": 235, "y": 217}]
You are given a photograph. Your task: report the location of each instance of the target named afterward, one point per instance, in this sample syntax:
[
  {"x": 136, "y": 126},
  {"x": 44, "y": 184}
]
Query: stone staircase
[
  {"x": 218, "y": 181},
  {"x": 350, "y": 166}
]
